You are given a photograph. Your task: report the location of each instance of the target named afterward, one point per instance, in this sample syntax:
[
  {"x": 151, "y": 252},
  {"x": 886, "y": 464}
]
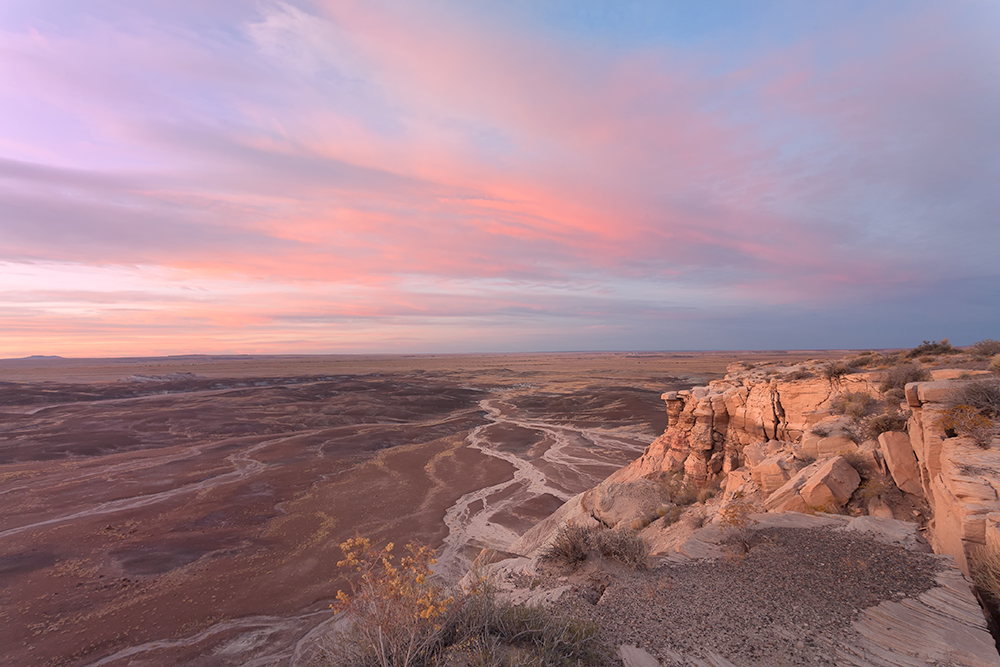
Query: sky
[{"x": 341, "y": 176}]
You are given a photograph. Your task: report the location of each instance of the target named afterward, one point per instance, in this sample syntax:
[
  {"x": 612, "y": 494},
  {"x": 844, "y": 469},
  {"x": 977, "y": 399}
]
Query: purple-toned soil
[{"x": 195, "y": 520}]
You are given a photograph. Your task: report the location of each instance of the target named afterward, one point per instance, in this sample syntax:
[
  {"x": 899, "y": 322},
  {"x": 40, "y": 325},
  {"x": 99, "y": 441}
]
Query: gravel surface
[{"x": 788, "y": 600}]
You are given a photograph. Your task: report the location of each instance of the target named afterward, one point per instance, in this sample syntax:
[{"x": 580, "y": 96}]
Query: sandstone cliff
[
  {"x": 770, "y": 436},
  {"x": 793, "y": 441}
]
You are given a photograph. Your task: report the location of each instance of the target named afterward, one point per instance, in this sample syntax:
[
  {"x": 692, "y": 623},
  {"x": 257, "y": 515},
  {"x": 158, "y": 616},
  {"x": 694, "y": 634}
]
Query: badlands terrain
[{"x": 187, "y": 510}]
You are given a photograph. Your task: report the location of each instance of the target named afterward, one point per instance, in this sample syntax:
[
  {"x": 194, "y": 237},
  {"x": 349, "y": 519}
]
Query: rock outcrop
[{"x": 773, "y": 443}]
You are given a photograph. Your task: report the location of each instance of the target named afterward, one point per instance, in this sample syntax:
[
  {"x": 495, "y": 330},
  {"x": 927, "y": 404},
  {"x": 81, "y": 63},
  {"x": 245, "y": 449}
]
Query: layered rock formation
[
  {"x": 763, "y": 436},
  {"x": 770, "y": 440}
]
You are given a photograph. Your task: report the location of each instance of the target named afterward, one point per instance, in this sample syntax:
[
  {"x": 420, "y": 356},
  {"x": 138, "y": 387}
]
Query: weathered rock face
[
  {"x": 711, "y": 427},
  {"x": 960, "y": 480},
  {"x": 762, "y": 432},
  {"x": 614, "y": 503}
]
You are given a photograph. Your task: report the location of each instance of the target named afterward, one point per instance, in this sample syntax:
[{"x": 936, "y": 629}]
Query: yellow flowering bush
[{"x": 394, "y": 607}]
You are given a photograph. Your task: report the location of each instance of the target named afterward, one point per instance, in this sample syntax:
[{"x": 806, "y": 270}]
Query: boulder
[
  {"x": 820, "y": 447},
  {"x": 934, "y": 392},
  {"x": 613, "y": 503},
  {"x": 773, "y": 472},
  {"x": 754, "y": 453},
  {"x": 831, "y": 485},
  {"x": 787, "y": 498},
  {"x": 825, "y": 484},
  {"x": 879, "y": 508},
  {"x": 901, "y": 460}
]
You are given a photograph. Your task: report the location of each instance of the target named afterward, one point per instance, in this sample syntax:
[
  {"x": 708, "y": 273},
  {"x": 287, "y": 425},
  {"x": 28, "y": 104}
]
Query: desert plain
[{"x": 188, "y": 510}]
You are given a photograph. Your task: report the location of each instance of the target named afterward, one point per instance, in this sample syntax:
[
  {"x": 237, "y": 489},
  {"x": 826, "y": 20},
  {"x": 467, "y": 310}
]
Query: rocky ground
[
  {"x": 802, "y": 590},
  {"x": 787, "y": 600}
]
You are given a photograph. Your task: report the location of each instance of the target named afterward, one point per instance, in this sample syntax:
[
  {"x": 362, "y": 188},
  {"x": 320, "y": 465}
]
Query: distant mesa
[
  {"x": 43, "y": 356},
  {"x": 170, "y": 377}
]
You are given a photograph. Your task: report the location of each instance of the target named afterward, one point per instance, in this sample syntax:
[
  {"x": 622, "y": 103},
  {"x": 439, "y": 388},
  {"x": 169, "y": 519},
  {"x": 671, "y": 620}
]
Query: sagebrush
[
  {"x": 854, "y": 404},
  {"x": 930, "y": 347},
  {"x": 983, "y": 394},
  {"x": 985, "y": 348},
  {"x": 899, "y": 376},
  {"x": 572, "y": 544},
  {"x": 967, "y": 421}
]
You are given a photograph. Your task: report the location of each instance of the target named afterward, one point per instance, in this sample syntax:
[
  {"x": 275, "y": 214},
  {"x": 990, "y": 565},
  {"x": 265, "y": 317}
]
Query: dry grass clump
[
  {"x": 676, "y": 488},
  {"x": 985, "y": 348},
  {"x": 488, "y": 632},
  {"x": 399, "y": 618},
  {"x": 897, "y": 377},
  {"x": 854, "y": 404},
  {"x": 573, "y": 543},
  {"x": 799, "y": 374},
  {"x": 874, "y": 486},
  {"x": 624, "y": 546},
  {"x": 995, "y": 364},
  {"x": 984, "y": 563}
]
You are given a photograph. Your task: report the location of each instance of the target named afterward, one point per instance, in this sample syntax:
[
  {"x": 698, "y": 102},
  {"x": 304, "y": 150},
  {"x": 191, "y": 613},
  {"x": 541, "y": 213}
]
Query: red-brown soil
[{"x": 195, "y": 520}]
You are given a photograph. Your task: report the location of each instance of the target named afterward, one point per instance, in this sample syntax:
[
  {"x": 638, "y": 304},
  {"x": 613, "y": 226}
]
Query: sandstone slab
[
  {"x": 831, "y": 485},
  {"x": 772, "y": 473},
  {"x": 901, "y": 460}
]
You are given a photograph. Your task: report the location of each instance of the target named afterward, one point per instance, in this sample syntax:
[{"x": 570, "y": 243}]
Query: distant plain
[{"x": 187, "y": 510}]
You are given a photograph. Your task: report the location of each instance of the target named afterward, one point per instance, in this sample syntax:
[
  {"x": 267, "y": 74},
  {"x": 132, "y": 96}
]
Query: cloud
[{"x": 416, "y": 166}]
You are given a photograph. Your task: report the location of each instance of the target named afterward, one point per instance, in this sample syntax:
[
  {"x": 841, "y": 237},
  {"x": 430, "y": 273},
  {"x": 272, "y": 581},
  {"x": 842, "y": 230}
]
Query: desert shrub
[
  {"x": 854, "y": 404},
  {"x": 399, "y": 618},
  {"x": 873, "y": 487},
  {"x": 836, "y": 370},
  {"x": 863, "y": 360},
  {"x": 995, "y": 364},
  {"x": 984, "y": 563},
  {"x": 669, "y": 513},
  {"x": 931, "y": 347},
  {"x": 570, "y": 545},
  {"x": 985, "y": 348},
  {"x": 982, "y": 394},
  {"x": 624, "y": 546},
  {"x": 573, "y": 542},
  {"x": 798, "y": 374},
  {"x": 895, "y": 395},
  {"x": 879, "y": 424},
  {"x": 394, "y": 608},
  {"x": 677, "y": 488},
  {"x": 708, "y": 491},
  {"x": 857, "y": 461},
  {"x": 897, "y": 377},
  {"x": 821, "y": 431},
  {"x": 965, "y": 420},
  {"x": 736, "y": 519},
  {"x": 487, "y": 631}
]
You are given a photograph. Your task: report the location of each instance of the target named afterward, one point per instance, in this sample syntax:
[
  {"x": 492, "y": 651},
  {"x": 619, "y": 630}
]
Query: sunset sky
[{"x": 228, "y": 176}]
